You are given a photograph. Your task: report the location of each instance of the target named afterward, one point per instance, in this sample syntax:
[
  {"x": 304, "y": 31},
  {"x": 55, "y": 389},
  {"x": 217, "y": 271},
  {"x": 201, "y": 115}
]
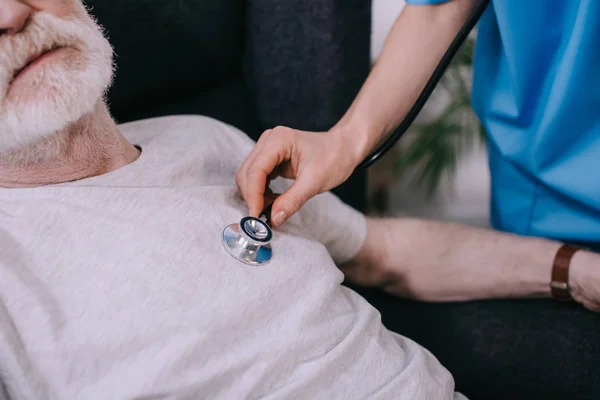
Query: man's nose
[{"x": 13, "y": 16}]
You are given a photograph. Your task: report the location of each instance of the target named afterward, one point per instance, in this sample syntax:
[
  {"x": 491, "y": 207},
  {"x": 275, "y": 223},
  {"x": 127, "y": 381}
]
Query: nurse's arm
[
  {"x": 437, "y": 261},
  {"x": 319, "y": 162},
  {"x": 412, "y": 50}
]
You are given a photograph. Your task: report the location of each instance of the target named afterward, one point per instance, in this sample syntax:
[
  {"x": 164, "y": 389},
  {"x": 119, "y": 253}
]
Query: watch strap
[{"x": 559, "y": 284}]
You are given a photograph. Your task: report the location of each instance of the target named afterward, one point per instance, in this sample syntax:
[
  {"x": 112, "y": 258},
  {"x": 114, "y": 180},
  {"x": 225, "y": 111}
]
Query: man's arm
[{"x": 436, "y": 261}]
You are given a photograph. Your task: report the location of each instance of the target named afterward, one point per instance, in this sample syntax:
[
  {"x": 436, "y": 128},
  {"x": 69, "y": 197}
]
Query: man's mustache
[{"x": 43, "y": 32}]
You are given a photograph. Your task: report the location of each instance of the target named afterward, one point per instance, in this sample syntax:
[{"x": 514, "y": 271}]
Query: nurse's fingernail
[{"x": 279, "y": 218}]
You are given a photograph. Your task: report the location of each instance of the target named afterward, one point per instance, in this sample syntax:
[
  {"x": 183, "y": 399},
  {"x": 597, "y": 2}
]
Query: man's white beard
[{"x": 64, "y": 93}]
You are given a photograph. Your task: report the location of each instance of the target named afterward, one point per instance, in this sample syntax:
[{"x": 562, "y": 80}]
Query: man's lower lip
[{"x": 35, "y": 63}]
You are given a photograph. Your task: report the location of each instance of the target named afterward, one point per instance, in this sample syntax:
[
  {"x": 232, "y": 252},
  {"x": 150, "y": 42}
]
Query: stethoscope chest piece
[{"x": 249, "y": 241}]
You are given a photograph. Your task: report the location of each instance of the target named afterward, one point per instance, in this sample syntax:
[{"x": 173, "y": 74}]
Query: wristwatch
[{"x": 559, "y": 284}]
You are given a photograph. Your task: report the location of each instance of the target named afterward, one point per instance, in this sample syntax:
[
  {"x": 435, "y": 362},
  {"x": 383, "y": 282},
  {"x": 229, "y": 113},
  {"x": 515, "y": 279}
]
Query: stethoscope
[{"x": 249, "y": 241}]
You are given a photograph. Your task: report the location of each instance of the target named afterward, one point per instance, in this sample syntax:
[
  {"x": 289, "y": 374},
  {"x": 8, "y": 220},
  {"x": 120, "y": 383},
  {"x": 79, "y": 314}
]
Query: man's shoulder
[{"x": 188, "y": 130}]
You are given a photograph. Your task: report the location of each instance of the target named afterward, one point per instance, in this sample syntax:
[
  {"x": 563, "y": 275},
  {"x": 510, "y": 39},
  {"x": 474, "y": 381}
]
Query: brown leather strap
[{"x": 559, "y": 284}]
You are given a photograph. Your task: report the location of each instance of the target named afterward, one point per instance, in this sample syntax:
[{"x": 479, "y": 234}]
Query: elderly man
[{"x": 113, "y": 280}]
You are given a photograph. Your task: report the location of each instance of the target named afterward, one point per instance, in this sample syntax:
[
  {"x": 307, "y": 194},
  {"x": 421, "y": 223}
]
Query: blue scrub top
[{"x": 536, "y": 89}]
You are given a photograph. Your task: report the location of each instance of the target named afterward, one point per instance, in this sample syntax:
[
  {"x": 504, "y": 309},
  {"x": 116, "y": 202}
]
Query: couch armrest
[{"x": 306, "y": 60}]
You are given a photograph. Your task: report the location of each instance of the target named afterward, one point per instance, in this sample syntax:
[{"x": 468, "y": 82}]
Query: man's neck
[{"x": 89, "y": 147}]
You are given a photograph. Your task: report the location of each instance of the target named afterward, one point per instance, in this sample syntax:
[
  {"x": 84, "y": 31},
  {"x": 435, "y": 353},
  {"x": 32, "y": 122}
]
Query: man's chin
[
  {"x": 37, "y": 122},
  {"x": 48, "y": 104}
]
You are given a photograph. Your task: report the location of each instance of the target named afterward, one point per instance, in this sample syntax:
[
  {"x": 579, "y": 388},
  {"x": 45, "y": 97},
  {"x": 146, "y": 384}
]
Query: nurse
[{"x": 536, "y": 90}]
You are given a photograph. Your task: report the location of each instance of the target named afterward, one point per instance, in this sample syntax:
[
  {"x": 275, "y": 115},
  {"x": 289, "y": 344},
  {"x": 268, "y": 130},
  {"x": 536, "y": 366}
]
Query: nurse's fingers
[
  {"x": 240, "y": 176},
  {"x": 266, "y": 160},
  {"x": 242, "y": 173},
  {"x": 290, "y": 201}
]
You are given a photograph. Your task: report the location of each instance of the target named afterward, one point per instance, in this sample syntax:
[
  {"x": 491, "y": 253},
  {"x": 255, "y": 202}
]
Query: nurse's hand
[{"x": 318, "y": 161}]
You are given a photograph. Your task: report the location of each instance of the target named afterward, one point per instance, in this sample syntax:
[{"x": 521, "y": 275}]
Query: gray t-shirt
[{"x": 117, "y": 287}]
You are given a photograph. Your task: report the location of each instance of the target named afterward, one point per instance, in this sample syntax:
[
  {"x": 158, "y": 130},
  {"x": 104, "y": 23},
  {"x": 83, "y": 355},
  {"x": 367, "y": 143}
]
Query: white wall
[{"x": 464, "y": 198}]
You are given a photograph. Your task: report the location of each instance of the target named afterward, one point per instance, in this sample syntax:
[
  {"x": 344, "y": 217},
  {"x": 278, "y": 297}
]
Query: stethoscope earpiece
[{"x": 249, "y": 241}]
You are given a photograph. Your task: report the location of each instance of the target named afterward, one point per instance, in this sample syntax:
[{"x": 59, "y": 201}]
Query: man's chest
[
  {"x": 143, "y": 275},
  {"x": 147, "y": 240}
]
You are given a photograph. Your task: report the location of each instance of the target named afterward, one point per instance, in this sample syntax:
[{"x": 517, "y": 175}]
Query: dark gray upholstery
[
  {"x": 307, "y": 56},
  {"x": 254, "y": 64},
  {"x": 505, "y": 349}
]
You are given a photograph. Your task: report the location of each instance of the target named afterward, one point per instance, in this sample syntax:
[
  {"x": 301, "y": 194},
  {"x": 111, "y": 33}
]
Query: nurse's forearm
[
  {"x": 418, "y": 40},
  {"x": 435, "y": 261}
]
